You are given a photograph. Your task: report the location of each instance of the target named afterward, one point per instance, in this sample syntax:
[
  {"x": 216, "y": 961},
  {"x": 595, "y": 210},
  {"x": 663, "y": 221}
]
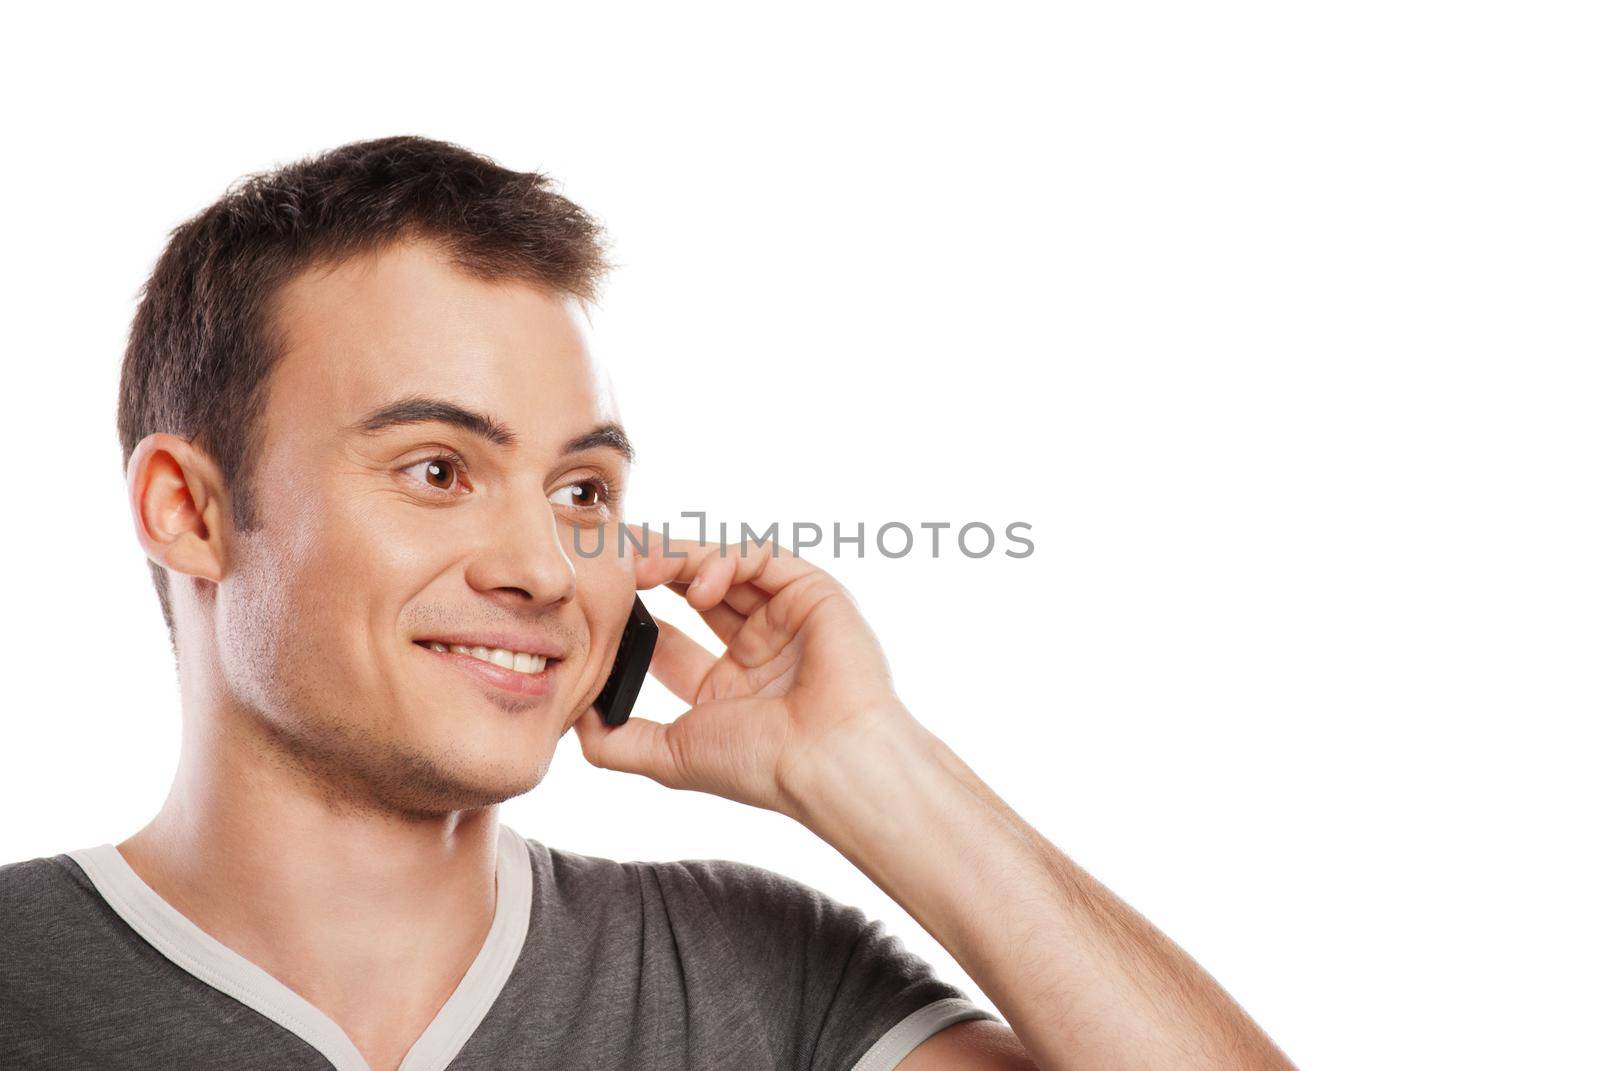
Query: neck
[{"x": 371, "y": 914}]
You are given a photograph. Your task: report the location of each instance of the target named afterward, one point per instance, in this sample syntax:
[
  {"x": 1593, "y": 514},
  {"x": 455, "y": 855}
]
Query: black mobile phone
[{"x": 634, "y": 651}]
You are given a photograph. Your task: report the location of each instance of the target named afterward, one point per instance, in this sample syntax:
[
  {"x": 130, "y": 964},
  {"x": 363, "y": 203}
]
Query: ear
[{"x": 175, "y": 492}]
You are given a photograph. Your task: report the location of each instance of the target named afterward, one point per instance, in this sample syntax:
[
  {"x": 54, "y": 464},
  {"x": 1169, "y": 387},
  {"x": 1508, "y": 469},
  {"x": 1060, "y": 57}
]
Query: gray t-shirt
[{"x": 589, "y": 963}]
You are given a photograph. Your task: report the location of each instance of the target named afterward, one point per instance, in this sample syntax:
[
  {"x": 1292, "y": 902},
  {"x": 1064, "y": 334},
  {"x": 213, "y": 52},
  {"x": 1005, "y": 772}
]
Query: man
[{"x": 362, "y": 431}]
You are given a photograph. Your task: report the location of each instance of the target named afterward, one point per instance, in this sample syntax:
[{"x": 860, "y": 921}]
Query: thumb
[{"x": 637, "y": 746}]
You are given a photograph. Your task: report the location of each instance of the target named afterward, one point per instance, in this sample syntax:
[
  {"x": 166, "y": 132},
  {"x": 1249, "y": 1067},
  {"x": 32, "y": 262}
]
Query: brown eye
[
  {"x": 441, "y": 473},
  {"x": 584, "y": 494}
]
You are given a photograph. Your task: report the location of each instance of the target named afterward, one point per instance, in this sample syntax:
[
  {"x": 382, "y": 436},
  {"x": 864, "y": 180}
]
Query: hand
[{"x": 802, "y": 677}]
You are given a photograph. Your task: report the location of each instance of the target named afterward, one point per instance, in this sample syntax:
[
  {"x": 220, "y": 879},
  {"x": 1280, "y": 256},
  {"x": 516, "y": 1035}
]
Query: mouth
[{"x": 521, "y": 672}]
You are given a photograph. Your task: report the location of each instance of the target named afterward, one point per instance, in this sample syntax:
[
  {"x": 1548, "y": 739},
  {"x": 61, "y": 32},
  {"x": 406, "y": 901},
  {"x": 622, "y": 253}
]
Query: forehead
[{"x": 404, "y": 321}]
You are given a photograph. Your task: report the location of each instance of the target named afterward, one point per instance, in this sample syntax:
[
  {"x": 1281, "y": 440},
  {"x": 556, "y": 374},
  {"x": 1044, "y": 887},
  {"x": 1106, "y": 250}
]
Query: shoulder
[
  {"x": 574, "y": 873},
  {"x": 756, "y": 907},
  {"x": 32, "y": 883},
  {"x": 764, "y": 911},
  {"x": 742, "y": 896},
  {"x": 41, "y": 906},
  {"x": 23, "y": 872},
  {"x": 724, "y": 883},
  {"x": 738, "y": 890}
]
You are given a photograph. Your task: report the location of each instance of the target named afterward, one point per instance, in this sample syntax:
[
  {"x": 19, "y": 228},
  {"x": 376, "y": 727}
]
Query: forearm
[{"x": 1082, "y": 978}]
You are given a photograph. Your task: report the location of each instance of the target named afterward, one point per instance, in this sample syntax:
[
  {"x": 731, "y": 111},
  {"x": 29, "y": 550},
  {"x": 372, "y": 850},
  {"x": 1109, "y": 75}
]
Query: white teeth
[{"x": 519, "y": 661}]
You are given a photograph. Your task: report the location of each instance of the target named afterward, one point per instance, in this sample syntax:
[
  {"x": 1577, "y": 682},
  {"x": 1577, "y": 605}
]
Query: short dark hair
[{"x": 204, "y": 340}]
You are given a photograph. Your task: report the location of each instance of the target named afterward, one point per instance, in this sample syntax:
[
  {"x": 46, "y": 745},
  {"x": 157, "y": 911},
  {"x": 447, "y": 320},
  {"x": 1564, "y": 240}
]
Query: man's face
[{"x": 372, "y": 545}]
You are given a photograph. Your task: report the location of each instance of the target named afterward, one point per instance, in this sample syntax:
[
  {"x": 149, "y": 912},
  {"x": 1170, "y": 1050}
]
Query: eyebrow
[{"x": 421, "y": 409}]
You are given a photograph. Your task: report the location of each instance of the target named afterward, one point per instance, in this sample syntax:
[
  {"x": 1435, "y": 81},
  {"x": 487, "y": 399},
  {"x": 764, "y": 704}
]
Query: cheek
[
  {"x": 319, "y": 587},
  {"x": 607, "y": 590},
  {"x": 273, "y": 629},
  {"x": 343, "y": 571}
]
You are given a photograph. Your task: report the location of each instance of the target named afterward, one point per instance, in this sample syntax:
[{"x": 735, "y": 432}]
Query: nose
[{"x": 522, "y": 557}]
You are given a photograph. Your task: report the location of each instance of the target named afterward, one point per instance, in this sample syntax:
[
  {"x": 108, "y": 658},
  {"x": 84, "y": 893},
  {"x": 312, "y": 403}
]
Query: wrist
[{"x": 861, "y": 769}]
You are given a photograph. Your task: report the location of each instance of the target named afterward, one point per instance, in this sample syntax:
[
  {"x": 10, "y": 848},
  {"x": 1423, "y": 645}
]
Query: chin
[
  {"x": 444, "y": 798},
  {"x": 453, "y": 778},
  {"x": 502, "y": 775}
]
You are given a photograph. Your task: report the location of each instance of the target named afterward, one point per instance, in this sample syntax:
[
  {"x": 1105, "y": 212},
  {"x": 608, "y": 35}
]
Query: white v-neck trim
[{"x": 217, "y": 965}]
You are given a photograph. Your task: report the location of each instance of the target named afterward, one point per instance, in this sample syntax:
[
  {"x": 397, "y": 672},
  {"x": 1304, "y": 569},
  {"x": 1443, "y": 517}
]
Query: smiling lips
[
  {"x": 516, "y": 661},
  {"x": 520, "y": 672}
]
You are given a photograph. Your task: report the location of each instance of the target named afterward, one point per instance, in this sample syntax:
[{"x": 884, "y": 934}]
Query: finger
[
  {"x": 764, "y": 564},
  {"x": 680, "y": 663},
  {"x": 711, "y": 582},
  {"x": 637, "y": 746},
  {"x": 746, "y": 599},
  {"x": 725, "y": 618}
]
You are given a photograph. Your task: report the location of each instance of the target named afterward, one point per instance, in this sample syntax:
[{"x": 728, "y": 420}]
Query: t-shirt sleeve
[{"x": 840, "y": 992}]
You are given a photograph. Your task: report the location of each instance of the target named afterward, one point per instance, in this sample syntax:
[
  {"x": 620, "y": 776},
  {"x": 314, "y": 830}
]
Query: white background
[{"x": 1277, "y": 322}]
